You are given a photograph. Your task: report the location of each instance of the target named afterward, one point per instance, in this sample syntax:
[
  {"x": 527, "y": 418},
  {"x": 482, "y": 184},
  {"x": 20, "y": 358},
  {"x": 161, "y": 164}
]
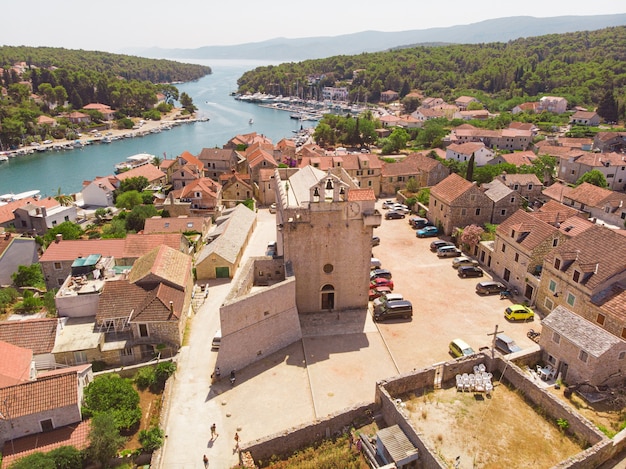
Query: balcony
[{"x": 372, "y": 218}]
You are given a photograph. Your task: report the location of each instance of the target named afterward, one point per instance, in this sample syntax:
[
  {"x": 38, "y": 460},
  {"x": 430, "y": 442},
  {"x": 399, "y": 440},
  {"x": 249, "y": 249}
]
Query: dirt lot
[
  {"x": 444, "y": 306},
  {"x": 495, "y": 432}
]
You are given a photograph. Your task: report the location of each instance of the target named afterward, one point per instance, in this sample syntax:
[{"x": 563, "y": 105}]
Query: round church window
[{"x": 328, "y": 268}]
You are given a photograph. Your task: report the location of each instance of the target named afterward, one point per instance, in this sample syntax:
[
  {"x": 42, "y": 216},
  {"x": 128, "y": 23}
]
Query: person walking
[
  {"x": 213, "y": 431},
  {"x": 236, "y": 441},
  {"x": 205, "y": 460}
]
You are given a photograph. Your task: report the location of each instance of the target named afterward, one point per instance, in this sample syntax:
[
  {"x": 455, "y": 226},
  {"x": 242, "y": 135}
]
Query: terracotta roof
[
  {"x": 601, "y": 159},
  {"x": 530, "y": 231},
  {"x": 595, "y": 258},
  {"x": 361, "y": 194},
  {"x": 206, "y": 186},
  {"x": 216, "y": 154},
  {"x": 521, "y": 179},
  {"x": 557, "y": 191},
  {"x": 156, "y": 307},
  {"x": 575, "y": 142},
  {"x": 67, "y": 250},
  {"x": 41, "y": 395},
  {"x": 412, "y": 164},
  {"x": 613, "y": 301},
  {"x": 519, "y": 158},
  {"x": 36, "y": 335},
  {"x": 165, "y": 164},
  {"x": 136, "y": 245},
  {"x": 522, "y": 125},
  {"x": 15, "y": 364},
  {"x": 76, "y": 435},
  {"x": 149, "y": 171},
  {"x": 176, "y": 225},
  {"x": 162, "y": 264},
  {"x": 191, "y": 160},
  {"x": 588, "y": 194},
  {"x": 555, "y": 212},
  {"x": 451, "y": 188},
  {"x": 573, "y": 226},
  {"x": 118, "y": 299},
  {"x": 6, "y": 211}
]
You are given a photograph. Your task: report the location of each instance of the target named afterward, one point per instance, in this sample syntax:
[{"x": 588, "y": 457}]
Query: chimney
[
  {"x": 58, "y": 238},
  {"x": 172, "y": 306}
]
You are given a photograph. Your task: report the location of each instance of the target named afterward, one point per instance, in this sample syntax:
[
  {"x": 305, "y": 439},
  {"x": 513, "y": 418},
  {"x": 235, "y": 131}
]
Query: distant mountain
[{"x": 286, "y": 50}]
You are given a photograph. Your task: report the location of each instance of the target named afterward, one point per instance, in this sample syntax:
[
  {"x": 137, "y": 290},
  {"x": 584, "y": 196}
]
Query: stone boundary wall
[{"x": 295, "y": 438}]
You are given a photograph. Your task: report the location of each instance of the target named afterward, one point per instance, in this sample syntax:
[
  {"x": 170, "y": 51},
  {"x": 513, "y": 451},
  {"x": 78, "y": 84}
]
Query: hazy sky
[{"x": 115, "y": 24}]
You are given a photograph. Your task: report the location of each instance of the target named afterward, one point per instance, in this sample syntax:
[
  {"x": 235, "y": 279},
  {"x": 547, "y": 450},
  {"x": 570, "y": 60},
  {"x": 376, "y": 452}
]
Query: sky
[{"x": 114, "y": 25}]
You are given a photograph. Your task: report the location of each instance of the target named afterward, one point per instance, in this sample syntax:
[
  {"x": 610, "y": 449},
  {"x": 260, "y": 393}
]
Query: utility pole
[{"x": 493, "y": 341}]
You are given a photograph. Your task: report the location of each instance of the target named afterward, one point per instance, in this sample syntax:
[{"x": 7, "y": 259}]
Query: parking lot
[{"x": 444, "y": 306}]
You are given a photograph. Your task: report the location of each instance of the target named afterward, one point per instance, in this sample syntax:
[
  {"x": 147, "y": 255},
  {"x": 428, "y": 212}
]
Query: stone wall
[{"x": 295, "y": 438}]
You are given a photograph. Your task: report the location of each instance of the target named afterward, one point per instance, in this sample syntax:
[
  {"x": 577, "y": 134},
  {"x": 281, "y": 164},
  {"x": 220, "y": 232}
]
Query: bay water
[{"x": 228, "y": 117}]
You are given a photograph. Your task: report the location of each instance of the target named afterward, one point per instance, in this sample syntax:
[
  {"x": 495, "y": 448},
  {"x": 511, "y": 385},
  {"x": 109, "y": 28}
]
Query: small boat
[
  {"x": 3, "y": 158},
  {"x": 251, "y": 121}
]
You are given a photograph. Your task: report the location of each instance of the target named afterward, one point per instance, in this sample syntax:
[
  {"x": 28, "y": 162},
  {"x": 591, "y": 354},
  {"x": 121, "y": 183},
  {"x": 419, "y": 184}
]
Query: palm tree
[{"x": 63, "y": 199}]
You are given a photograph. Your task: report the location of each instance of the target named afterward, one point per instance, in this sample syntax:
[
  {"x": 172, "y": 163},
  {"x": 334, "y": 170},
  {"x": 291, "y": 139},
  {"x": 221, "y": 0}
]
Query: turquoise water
[{"x": 211, "y": 94}]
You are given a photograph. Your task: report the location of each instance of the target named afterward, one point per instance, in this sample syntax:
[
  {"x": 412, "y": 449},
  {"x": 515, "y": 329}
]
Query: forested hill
[
  {"x": 126, "y": 66},
  {"x": 580, "y": 66}
]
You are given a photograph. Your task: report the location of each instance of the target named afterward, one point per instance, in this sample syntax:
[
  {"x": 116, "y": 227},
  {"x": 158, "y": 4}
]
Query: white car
[{"x": 463, "y": 260}]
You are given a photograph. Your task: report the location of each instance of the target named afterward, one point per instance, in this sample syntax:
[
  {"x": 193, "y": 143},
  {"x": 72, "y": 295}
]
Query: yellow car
[{"x": 519, "y": 313}]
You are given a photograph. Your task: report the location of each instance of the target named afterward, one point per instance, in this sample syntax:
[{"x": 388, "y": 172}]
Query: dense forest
[
  {"x": 582, "y": 67},
  {"x": 56, "y": 81}
]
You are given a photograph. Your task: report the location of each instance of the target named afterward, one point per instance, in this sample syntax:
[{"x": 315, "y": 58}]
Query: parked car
[
  {"x": 271, "y": 249},
  {"x": 375, "y": 240},
  {"x": 400, "y": 309},
  {"x": 460, "y": 348},
  {"x": 506, "y": 345},
  {"x": 375, "y": 263},
  {"x": 448, "y": 251},
  {"x": 400, "y": 208},
  {"x": 519, "y": 313},
  {"x": 388, "y": 204},
  {"x": 380, "y": 273},
  {"x": 382, "y": 299},
  {"x": 463, "y": 260},
  {"x": 439, "y": 243},
  {"x": 470, "y": 271},
  {"x": 381, "y": 282},
  {"x": 217, "y": 339},
  {"x": 393, "y": 215},
  {"x": 418, "y": 222},
  {"x": 377, "y": 292},
  {"x": 489, "y": 288},
  {"x": 427, "y": 232},
  {"x": 273, "y": 208}
]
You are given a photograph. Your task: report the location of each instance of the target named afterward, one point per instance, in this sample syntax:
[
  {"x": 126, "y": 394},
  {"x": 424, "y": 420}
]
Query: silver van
[{"x": 217, "y": 339}]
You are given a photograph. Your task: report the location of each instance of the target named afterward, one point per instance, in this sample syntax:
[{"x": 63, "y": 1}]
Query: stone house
[
  {"x": 389, "y": 96},
  {"x": 221, "y": 258},
  {"x": 584, "y": 275},
  {"x": 527, "y": 186},
  {"x": 463, "y": 152},
  {"x": 611, "y": 165},
  {"x": 456, "y": 202},
  {"x": 581, "y": 351},
  {"x": 425, "y": 170},
  {"x": 200, "y": 198},
  {"x": 49, "y": 402},
  {"x": 324, "y": 225},
  {"x": 78, "y": 118},
  {"x": 512, "y": 138},
  {"x": 189, "y": 169},
  {"x": 15, "y": 250},
  {"x": 98, "y": 193},
  {"x": 154, "y": 175},
  {"x": 218, "y": 161},
  {"x": 606, "y": 142},
  {"x": 180, "y": 225},
  {"x": 522, "y": 241},
  {"x": 265, "y": 192},
  {"x": 555, "y": 104},
  {"x": 364, "y": 168},
  {"x": 517, "y": 158},
  {"x": 236, "y": 188},
  {"x": 505, "y": 200},
  {"x": 39, "y": 216},
  {"x": 246, "y": 140},
  {"x": 7, "y": 217},
  {"x": 589, "y": 118},
  {"x": 256, "y": 159},
  {"x": 37, "y": 335},
  {"x": 463, "y": 101},
  {"x": 390, "y": 120}
]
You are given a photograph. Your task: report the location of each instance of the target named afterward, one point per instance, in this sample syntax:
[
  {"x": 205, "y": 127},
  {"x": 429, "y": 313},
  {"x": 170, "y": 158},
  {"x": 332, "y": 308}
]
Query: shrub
[
  {"x": 145, "y": 377},
  {"x": 151, "y": 439},
  {"x": 98, "y": 365},
  {"x": 162, "y": 372},
  {"x": 116, "y": 397}
]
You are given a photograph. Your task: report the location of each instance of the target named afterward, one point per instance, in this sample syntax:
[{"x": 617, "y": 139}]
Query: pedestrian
[
  {"x": 236, "y": 441},
  {"x": 213, "y": 431},
  {"x": 358, "y": 445},
  {"x": 350, "y": 440},
  {"x": 205, "y": 460}
]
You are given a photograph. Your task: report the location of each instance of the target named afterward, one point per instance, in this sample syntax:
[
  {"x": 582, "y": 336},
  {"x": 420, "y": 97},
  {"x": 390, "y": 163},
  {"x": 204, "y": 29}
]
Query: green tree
[
  {"x": 115, "y": 396},
  {"x": 136, "y": 219},
  {"x": 151, "y": 439},
  {"x": 114, "y": 230},
  {"x": 187, "y": 103},
  {"x": 104, "y": 438},
  {"x": 412, "y": 185},
  {"x": 29, "y": 304},
  {"x": 470, "y": 168},
  {"x": 63, "y": 199},
  {"x": 67, "y": 457},
  {"x": 35, "y": 460},
  {"x": 395, "y": 142},
  {"x": 594, "y": 177},
  {"x": 607, "y": 107},
  {"x": 28, "y": 276},
  {"x": 129, "y": 200},
  {"x": 137, "y": 183},
  {"x": 8, "y": 296},
  {"x": 67, "y": 229}
]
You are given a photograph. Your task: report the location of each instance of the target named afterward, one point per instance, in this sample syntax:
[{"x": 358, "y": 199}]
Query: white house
[
  {"x": 464, "y": 151},
  {"x": 98, "y": 193}
]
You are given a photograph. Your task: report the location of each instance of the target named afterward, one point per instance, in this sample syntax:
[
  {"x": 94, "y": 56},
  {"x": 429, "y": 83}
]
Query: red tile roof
[
  {"x": 6, "y": 211},
  {"x": 36, "y": 335},
  {"x": 149, "y": 171},
  {"x": 76, "y": 435},
  {"x": 162, "y": 264},
  {"x": 118, "y": 299},
  {"x": 412, "y": 164},
  {"x": 156, "y": 305},
  {"x": 530, "y": 231},
  {"x": 136, "y": 245},
  {"x": 557, "y": 191},
  {"x": 15, "y": 364},
  {"x": 451, "y": 188},
  {"x": 588, "y": 194},
  {"x": 67, "y": 250}
]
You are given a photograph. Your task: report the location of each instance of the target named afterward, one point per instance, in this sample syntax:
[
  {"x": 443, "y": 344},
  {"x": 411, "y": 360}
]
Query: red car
[
  {"x": 377, "y": 292},
  {"x": 381, "y": 282}
]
